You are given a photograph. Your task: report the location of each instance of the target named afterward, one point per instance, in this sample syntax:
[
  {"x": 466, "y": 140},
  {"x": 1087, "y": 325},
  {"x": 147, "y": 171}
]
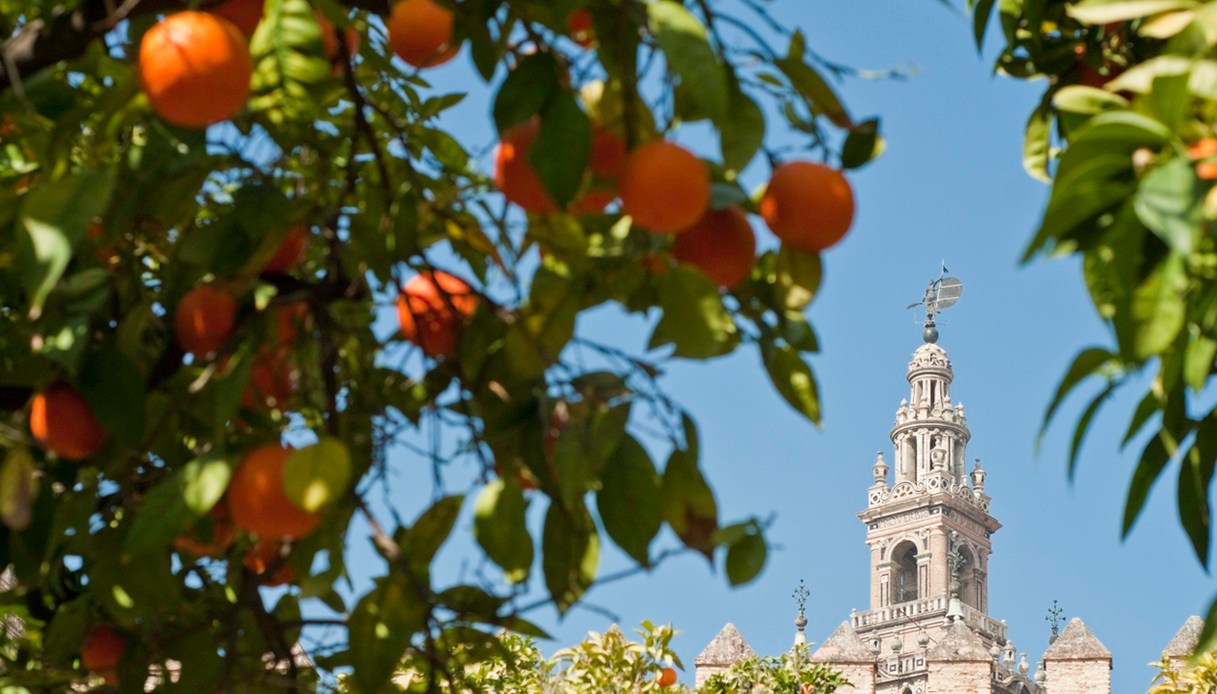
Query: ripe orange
[
  {"x": 432, "y": 308},
  {"x": 244, "y": 14},
  {"x": 420, "y": 32},
  {"x": 666, "y": 678},
  {"x": 594, "y": 201},
  {"x": 195, "y": 69},
  {"x": 514, "y": 174},
  {"x": 62, "y": 423},
  {"x": 291, "y": 251},
  {"x": 608, "y": 155},
  {"x": 261, "y": 556},
  {"x": 721, "y": 244},
  {"x": 205, "y": 319},
  {"x": 809, "y": 206},
  {"x": 1203, "y": 148},
  {"x": 330, "y": 44},
  {"x": 581, "y": 28},
  {"x": 257, "y": 501},
  {"x": 289, "y": 318},
  {"x": 101, "y": 651},
  {"x": 664, "y": 187},
  {"x": 272, "y": 381},
  {"x": 106, "y": 254},
  {"x": 222, "y": 534}
]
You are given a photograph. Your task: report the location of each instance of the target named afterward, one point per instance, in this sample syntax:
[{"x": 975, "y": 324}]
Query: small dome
[{"x": 930, "y": 356}]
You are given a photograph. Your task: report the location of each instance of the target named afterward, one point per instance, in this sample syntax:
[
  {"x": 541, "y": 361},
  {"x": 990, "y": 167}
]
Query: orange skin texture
[
  {"x": 608, "y": 155},
  {"x": 257, "y": 502},
  {"x": 514, "y": 174},
  {"x": 205, "y": 319},
  {"x": 721, "y": 245},
  {"x": 432, "y": 309},
  {"x": 664, "y": 187},
  {"x": 594, "y": 201},
  {"x": 195, "y": 69},
  {"x": 1205, "y": 148},
  {"x": 62, "y": 423},
  {"x": 667, "y": 678},
  {"x": 290, "y": 253},
  {"x": 420, "y": 32},
  {"x": 259, "y": 558},
  {"x": 809, "y": 206},
  {"x": 581, "y": 28},
  {"x": 223, "y": 532},
  {"x": 244, "y": 14},
  {"x": 272, "y": 381},
  {"x": 101, "y": 651}
]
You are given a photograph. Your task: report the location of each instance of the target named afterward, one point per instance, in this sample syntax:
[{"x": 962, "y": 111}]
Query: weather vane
[
  {"x": 1054, "y": 621},
  {"x": 942, "y": 293}
]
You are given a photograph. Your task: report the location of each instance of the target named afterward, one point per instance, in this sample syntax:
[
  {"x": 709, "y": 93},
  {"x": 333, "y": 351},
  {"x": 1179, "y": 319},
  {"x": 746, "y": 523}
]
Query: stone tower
[{"x": 927, "y": 523}]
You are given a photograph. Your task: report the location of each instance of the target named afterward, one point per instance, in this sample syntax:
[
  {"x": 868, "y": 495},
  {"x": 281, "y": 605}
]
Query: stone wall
[
  {"x": 960, "y": 678},
  {"x": 1078, "y": 677}
]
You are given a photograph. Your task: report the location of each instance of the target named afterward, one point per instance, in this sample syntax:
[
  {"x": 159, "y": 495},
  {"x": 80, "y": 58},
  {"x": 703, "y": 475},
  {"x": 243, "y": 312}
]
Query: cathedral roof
[
  {"x": 727, "y": 648},
  {"x": 1077, "y": 642},
  {"x": 843, "y": 646},
  {"x": 960, "y": 644},
  {"x": 1186, "y": 640}
]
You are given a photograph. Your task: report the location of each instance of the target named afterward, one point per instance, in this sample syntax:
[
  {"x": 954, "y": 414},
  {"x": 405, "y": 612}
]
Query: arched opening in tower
[
  {"x": 969, "y": 584},
  {"x": 904, "y": 587}
]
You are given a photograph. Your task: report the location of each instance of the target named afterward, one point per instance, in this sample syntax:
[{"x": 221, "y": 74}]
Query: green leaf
[
  {"x": 1168, "y": 202},
  {"x": 686, "y": 46},
  {"x": 688, "y": 502},
  {"x": 1105, "y": 11},
  {"x": 18, "y": 488},
  {"x": 629, "y": 499},
  {"x": 1195, "y": 478},
  {"x": 175, "y": 504},
  {"x": 810, "y": 84},
  {"x": 51, "y": 221},
  {"x": 317, "y": 475},
  {"x": 499, "y": 528},
  {"x": 741, "y": 130},
  {"x": 793, "y": 379},
  {"x": 862, "y": 145},
  {"x": 1154, "y": 458},
  {"x": 1036, "y": 140},
  {"x": 526, "y": 90},
  {"x": 694, "y": 317},
  {"x": 1086, "y": 363},
  {"x": 561, "y": 151},
  {"x": 746, "y": 558},
  {"x": 1198, "y": 361},
  {"x": 570, "y": 554},
  {"x": 980, "y": 20},
  {"x": 1112, "y": 132},
  {"x": 67, "y": 630},
  {"x": 797, "y": 277},
  {"x": 291, "y": 70},
  {"x": 1145, "y": 409},
  {"x": 1158, "y": 308},
  {"x": 381, "y": 627},
  {"x": 431, "y": 530},
  {"x": 1083, "y": 425},
  {"x": 1077, "y": 98},
  {"x": 114, "y": 388}
]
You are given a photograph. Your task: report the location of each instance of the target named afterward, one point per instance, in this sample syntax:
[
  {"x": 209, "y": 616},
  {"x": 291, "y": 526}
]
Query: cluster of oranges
[{"x": 195, "y": 67}]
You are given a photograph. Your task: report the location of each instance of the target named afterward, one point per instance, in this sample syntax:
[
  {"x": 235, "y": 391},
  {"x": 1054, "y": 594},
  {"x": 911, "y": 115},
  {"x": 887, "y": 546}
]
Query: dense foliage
[
  {"x": 176, "y": 300},
  {"x": 1125, "y": 134}
]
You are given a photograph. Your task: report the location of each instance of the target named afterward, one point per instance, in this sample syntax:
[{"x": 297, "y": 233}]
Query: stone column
[{"x": 939, "y": 574}]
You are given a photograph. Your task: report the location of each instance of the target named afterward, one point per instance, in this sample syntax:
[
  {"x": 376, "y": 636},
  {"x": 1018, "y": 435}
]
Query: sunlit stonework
[{"x": 929, "y": 532}]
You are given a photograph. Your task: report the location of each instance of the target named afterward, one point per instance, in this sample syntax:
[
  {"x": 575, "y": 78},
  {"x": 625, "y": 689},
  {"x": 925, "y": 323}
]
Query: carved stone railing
[
  {"x": 901, "y": 612},
  {"x": 979, "y": 621}
]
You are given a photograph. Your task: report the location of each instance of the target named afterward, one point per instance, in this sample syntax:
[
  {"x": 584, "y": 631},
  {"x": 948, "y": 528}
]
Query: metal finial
[
  {"x": 800, "y": 596},
  {"x": 941, "y": 294},
  {"x": 1054, "y": 621}
]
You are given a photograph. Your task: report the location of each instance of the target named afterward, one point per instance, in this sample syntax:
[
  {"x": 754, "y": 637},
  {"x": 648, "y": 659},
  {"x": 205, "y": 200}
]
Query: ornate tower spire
[{"x": 927, "y": 516}]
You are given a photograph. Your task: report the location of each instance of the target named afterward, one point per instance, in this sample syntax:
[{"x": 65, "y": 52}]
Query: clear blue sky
[{"x": 949, "y": 186}]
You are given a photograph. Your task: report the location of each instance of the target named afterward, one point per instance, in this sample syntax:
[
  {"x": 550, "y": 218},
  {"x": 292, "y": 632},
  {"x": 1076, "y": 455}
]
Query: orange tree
[
  {"x": 204, "y": 208},
  {"x": 1126, "y": 135}
]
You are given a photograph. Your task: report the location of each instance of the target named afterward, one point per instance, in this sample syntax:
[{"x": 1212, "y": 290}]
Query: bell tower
[{"x": 927, "y": 518}]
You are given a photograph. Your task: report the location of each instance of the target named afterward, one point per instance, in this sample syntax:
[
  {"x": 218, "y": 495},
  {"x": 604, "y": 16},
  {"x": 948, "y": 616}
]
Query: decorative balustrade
[{"x": 900, "y": 612}]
